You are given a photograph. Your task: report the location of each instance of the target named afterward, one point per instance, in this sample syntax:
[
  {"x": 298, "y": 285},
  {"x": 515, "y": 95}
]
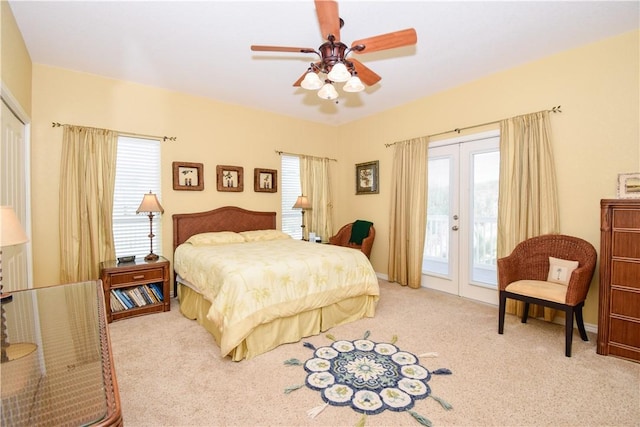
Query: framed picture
[
  {"x": 188, "y": 176},
  {"x": 367, "y": 178},
  {"x": 629, "y": 185},
  {"x": 230, "y": 178},
  {"x": 265, "y": 180}
]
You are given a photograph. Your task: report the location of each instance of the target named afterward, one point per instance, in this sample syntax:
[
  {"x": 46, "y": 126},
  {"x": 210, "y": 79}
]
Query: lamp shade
[
  {"x": 339, "y": 73},
  {"x": 12, "y": 232},
  {"x": 150, "y": 203},
  {"x": 311, "y": 81},
  {"x": 328, "y": 92},
  {"x": 353, "y": 85},
  {"x": 302, "y": 203}
]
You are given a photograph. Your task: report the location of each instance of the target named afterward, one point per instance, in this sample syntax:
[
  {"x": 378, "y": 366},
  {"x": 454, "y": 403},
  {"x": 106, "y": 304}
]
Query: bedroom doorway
[{"x": 461, "y": 236}]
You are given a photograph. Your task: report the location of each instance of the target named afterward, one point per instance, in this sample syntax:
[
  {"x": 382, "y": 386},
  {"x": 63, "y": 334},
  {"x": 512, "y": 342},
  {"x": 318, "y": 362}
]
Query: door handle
[{"x": 454, "y": 228}]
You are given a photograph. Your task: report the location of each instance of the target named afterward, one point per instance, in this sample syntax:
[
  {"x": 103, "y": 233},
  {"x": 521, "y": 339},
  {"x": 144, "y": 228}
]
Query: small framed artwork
[
  {"x": 265, "y": 180},
  {"x": 629, "y": 185},
  {"x": 367, "y": 178},
  {"x": 188, "y": 176},
  {"x": 230, "y": 178}
]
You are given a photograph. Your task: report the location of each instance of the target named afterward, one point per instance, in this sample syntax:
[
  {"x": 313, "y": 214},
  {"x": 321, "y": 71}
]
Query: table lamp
[
  {"x": 150, "y": 204},
  {"x": 302, "y": 203},
  {"x": 11, "y": 233}
]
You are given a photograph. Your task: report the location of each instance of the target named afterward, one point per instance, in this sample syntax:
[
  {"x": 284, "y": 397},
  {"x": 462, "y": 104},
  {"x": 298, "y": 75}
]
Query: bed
[{"x": 254, "y": 288}]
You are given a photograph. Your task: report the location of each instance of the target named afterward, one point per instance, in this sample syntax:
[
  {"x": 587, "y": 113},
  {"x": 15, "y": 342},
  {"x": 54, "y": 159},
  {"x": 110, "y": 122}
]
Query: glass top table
[{"x": 57, "y": 367}]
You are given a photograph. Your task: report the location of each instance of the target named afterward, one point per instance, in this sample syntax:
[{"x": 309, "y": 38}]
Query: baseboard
[{"x": 589, "y": 327}]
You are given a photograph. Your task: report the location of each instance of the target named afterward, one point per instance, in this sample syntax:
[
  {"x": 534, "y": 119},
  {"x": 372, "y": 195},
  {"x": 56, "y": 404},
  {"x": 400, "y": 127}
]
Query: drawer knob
[{"x": 140, "y": 276}]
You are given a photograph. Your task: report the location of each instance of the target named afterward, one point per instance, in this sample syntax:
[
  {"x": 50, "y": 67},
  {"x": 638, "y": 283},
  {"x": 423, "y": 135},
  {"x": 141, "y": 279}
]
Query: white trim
[{"x": 12, "y": 102}]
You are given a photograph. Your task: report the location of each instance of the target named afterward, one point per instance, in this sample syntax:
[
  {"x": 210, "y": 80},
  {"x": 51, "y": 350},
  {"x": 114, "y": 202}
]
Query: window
[
  {"x": 290, "y": 175},
  {"x": 137, "y": 173}
]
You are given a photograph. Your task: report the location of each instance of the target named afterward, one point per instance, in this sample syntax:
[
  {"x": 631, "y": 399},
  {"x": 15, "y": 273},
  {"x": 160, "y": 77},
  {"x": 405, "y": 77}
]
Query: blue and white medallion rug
[{"x": 369, "y": 377}]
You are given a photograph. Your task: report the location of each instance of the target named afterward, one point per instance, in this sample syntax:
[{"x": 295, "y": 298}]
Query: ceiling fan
[{"x": 333, "y": 54}]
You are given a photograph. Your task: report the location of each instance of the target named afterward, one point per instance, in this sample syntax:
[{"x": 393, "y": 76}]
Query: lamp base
[{"x": 151, "y": 257}]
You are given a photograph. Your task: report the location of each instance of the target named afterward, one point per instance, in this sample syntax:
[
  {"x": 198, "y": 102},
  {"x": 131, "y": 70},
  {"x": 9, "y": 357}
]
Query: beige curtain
[
  {"x": 408, "y": 216},
  {"x": 527, "y": 202},
  {"x": 87, "y": 180},
  {"x": 316, "y": 185}
]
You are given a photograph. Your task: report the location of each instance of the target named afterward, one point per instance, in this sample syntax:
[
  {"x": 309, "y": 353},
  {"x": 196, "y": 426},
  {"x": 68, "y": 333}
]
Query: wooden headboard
[{"x": 227, "y": 218}]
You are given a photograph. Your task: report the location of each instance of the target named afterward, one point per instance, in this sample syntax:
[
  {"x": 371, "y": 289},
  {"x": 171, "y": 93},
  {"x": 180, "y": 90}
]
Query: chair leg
[
  {"x": 525, "y": 314},
  {"x": 501, "y": 310},
  {"x": 580, "y": 322},
  {"x": 568, "y": 314}
]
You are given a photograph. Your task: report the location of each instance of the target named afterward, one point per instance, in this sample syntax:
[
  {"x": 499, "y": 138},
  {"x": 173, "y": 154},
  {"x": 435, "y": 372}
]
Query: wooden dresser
[{"x": 619, "y": 310}]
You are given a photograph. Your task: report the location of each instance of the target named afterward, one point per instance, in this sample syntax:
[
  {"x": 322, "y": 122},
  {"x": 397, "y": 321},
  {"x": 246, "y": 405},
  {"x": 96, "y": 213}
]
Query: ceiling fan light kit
[
  {"x": 311, "y": 81},
  {"x": 333, "y": 53},
  {"x": 328, "y": 92}
]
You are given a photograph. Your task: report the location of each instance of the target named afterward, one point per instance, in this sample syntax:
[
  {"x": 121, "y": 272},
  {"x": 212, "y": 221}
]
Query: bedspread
[{"x": 252, "y": 283}]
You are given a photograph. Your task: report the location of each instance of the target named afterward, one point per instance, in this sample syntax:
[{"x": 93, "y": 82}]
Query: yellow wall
[
  {"x": 15, "y": 63},
  {"x": 595, "y": 137},
  {"x": 208, "y": 132}
]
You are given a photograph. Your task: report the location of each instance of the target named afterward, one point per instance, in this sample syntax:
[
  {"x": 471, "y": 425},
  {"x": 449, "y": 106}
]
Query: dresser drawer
[
  {"x": 625, "y": 332},
  {"x": 626, "y": 218},
  {"x": 626, "y": 244},
  {"x": 625, "y": 273},
  {"x": 625, "y": 303},
  {"x": 137, "y": 277}
]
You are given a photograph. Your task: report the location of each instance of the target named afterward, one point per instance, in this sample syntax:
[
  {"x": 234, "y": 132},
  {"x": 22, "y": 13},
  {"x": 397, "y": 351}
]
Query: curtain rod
[
  {"x": 162, "y": 138},
  {"x": 304, "y": 155},
  {"x": 458, "y": 130}
]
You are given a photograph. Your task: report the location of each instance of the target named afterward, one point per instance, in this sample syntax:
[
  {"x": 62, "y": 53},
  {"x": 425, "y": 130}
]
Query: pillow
[
  {"x": 560, "y": 270},
  {"x": 264, "y": 235},
  {"x": 215, "y": 238}
]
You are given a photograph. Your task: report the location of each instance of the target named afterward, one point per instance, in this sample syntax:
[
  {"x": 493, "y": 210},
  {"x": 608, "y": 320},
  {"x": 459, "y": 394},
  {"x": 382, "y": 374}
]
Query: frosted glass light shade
[
  {"x": 339, "y": 73},
  {"x": 353, "y": 85},
  {"x": 311, "y": 81},
  {"x": 328, "y": 92}
]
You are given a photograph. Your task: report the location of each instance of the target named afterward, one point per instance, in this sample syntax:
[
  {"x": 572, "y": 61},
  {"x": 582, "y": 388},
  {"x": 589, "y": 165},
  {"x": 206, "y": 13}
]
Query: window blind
[
  {"x": 291, "y": 218},
  {"x": 137, "y": 173}
]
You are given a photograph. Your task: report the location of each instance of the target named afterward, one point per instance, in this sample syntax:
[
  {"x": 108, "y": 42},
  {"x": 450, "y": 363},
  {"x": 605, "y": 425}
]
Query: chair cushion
[
  {"x": 560, "y": 270},
  {"x": 549, "y": 291}
]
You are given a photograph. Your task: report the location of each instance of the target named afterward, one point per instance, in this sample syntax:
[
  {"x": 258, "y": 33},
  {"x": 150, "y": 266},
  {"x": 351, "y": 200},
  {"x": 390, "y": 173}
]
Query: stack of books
[{"x": 139, "y": 296}]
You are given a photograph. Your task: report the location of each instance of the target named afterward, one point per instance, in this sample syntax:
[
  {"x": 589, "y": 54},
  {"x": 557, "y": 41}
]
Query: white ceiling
[{"x": 202, "y": 47}]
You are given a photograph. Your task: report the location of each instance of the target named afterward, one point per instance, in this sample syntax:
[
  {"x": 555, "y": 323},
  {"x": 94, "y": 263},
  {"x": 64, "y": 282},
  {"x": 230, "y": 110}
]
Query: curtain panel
[
  {"x": 87, "y": 181},
  {"x": 315, "y": 183},
  {"x": 408, "y": 211},
  {"x": 527, "y": 200}
]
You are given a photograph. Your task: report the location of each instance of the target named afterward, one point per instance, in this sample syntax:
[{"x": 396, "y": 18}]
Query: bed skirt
[{"x": 290, "y": 329}]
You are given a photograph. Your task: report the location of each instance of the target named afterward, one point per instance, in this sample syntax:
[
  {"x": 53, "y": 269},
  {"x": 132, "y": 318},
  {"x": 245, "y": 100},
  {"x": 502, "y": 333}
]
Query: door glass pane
[
  {"x": 486, "y": 168},
  {"x": 436, "y": 253}
]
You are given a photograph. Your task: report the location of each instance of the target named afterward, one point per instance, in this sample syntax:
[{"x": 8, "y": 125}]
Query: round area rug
[{"x": 369, "y": 377}]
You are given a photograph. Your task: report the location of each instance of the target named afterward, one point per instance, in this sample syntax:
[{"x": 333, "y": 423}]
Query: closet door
[{"x": 14, "y": 193}]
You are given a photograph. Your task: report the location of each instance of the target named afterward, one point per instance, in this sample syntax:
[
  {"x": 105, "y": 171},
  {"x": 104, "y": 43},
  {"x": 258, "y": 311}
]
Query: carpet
[{"x": 368, "y": 376}]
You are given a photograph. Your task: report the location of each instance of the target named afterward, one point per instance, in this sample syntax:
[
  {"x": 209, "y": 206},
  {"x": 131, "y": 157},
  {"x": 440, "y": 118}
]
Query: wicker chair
[
  {"x": 343, "y": 236},
  {"x": 525, "y": 275}
]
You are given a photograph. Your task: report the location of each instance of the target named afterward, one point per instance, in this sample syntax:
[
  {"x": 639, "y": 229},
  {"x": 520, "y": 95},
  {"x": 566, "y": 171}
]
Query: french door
[{"x": 461, "y": 237}]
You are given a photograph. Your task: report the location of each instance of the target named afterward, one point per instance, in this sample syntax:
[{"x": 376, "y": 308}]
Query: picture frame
[
  {"x": 188, "y": 176},
  {"x": 265, "y": 180},
  {"x": 629, "y": 185},
  {"x": 230, "y": 178},
  {"x": 367, "y": 177}
]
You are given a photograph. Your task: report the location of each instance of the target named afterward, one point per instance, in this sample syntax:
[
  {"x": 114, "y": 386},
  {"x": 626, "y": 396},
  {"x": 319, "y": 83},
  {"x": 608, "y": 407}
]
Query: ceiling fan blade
[
  {"x": 327, "y": 11},
  {"x": 367, "y": 76},
  {"x": 258, "y": 48},
  {"x": 387, "y": 41}
]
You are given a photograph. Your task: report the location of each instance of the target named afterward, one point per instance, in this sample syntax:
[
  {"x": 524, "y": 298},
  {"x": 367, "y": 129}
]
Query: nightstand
[{"x": 135, "y": 288}]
